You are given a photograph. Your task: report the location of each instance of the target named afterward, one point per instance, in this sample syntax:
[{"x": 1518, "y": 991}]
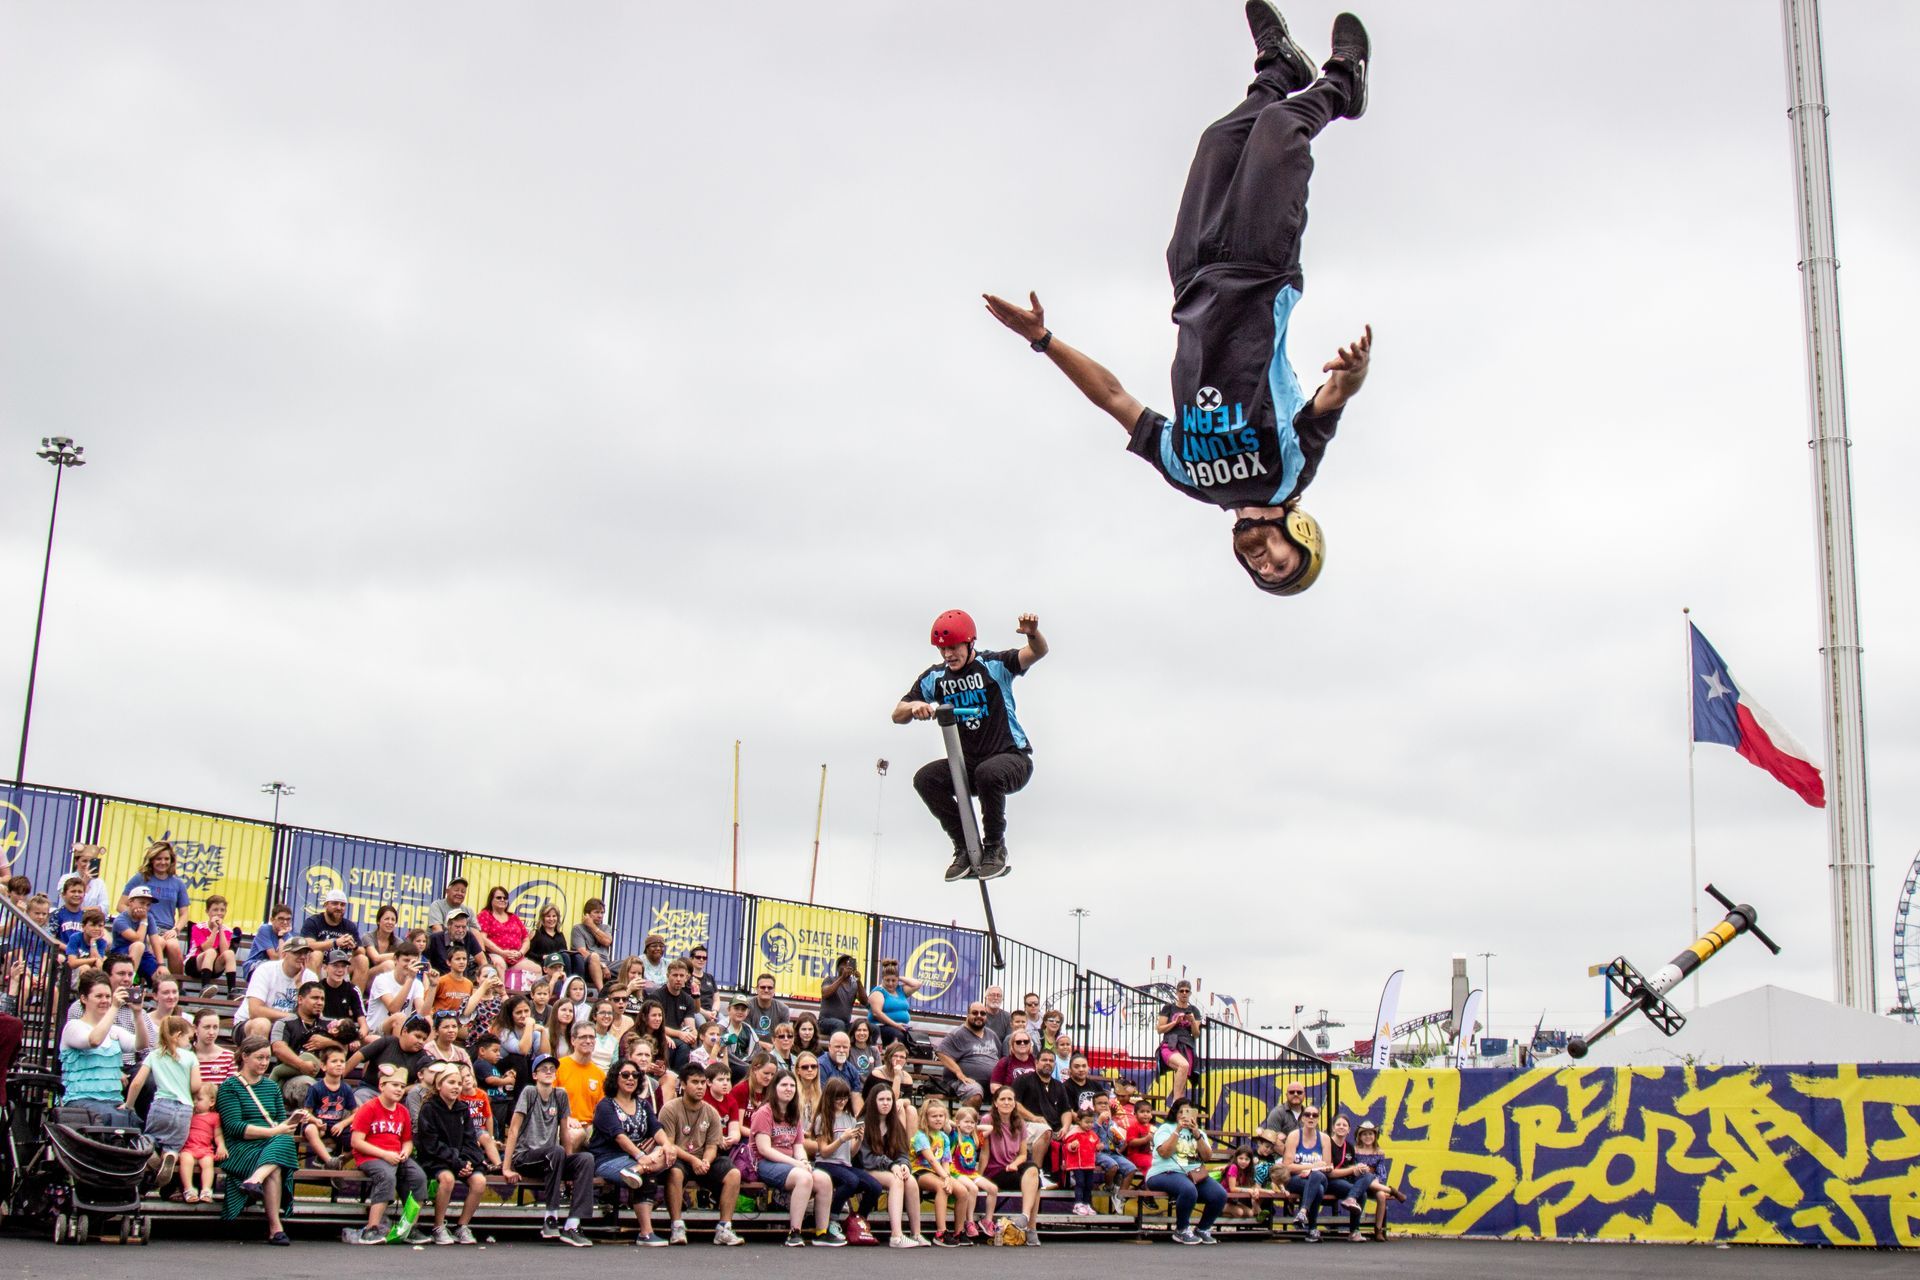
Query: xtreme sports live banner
[
  {"x": 212, "y": 855},
  {"x": 685, "y": 918},
  {"x": 798, "y": 944},
  {"x": 372, "y": 874},
  {"x": 947, "y": 963}
]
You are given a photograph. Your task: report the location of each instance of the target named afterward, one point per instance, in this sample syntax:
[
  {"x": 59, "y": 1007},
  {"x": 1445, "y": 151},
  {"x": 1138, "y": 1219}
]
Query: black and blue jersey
[
  {"x": 981, "y": 695},
  {"x": 1244, "y": 434}
]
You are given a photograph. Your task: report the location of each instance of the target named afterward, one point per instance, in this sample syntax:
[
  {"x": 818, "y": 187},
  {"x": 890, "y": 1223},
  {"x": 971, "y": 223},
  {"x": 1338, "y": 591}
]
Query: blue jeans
[
  {"x": 104, "y": 1112},
  {"x": 851, "y": 1184},
  {"x": 1310, "y": 1189},
  {"x": 1183, "y": 1191},
  {"x": 1354, "y": 1188}
]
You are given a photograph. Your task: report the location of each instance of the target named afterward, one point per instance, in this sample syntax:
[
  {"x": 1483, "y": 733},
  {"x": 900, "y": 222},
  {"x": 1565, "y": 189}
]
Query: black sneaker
[
  {"x": 795, "y": 1240},
  {"x": 993, "y": 861},
  {"x": 1274, "y": 45},
  {"x": 961, "y": 868},
  {"x": 1351, "y": 50}
]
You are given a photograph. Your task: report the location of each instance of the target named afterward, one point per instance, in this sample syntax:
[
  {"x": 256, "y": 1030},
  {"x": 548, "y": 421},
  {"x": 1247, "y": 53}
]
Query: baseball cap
[
  {"x": 459, "y": 913},
  {"x": 140, "y": 891},
  {"x": 555, "y": 959},
  {"x": 333, "y": 896},
  {"x": 739, "y": 1002},
  {"x": 543, "y": 1060},
  {"x": 297, "y": 943},
  {"x": 339, "y": 955}
]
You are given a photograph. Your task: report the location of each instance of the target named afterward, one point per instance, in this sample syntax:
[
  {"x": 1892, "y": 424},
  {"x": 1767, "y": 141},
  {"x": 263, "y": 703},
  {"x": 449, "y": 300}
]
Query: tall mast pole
[{"x": 1850, "y": 862}]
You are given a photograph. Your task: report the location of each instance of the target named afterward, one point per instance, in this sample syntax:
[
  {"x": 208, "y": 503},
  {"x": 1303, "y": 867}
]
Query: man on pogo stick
[
  {"x": 978, "y": 685},
  {"x": 1247, "y": 438}
]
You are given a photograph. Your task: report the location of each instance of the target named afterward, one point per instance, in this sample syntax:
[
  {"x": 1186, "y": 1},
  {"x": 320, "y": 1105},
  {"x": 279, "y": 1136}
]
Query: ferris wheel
[{"x": 1906, "y": 945}]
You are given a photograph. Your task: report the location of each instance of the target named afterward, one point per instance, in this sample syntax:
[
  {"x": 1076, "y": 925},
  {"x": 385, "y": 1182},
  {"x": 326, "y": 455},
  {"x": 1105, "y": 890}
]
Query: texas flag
[{"x": 1723, "y": 714}]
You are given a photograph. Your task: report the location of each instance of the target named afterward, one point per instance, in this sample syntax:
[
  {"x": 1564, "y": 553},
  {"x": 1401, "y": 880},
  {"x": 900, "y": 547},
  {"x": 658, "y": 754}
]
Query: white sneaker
[
  {"x": 724, "y": 1235},
  {"x": 903, "y": 1242},
  {"x": 463, "y": 1234},
  {"x": 442, "y": 1236}
]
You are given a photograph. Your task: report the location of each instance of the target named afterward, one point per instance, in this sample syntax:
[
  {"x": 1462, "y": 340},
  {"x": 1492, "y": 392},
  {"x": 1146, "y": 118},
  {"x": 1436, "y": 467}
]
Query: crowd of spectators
[{"x": 432, "y": 1058}]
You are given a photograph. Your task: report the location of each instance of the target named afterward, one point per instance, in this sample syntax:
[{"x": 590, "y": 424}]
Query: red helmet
[{"x": 953, "y": 628}]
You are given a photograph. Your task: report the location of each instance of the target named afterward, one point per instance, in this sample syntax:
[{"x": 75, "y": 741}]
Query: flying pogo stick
[{"x": 1649, "y": 996}]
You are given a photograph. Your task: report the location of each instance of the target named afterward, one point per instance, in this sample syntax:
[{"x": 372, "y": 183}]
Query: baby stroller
[{"x": 92, "y": 1170}]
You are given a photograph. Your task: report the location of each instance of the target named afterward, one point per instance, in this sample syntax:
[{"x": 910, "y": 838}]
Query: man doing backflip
[
  {"x": 1245, "y": 436},
  {"x": 978, "y": 685}
]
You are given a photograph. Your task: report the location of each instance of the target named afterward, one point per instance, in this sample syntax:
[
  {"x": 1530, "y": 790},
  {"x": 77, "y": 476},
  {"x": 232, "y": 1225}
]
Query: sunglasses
[
  {"x": 1021, "y": 1042},
  {"x": 809, "y": 1066},
  {"x": 1310, "y": 1112}
]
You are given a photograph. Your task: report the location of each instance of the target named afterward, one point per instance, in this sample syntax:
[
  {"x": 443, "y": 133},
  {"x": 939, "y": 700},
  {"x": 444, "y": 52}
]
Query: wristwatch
[{"x": 1042, "y": 342}]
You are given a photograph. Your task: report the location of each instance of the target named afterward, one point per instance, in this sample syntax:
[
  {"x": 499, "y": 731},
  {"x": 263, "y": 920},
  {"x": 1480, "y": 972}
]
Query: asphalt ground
[{"x": 314, "y": 1258}]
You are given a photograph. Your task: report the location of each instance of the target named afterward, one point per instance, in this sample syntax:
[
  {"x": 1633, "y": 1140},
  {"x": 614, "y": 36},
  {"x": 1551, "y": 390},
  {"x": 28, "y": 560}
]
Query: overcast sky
[{"x": 496, "y": 410}]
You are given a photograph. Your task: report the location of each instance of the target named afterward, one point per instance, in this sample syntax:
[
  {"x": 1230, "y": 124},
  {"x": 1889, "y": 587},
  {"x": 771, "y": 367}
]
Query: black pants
[
  {"x": 560, "y": 1172},
  {"x": 994, "y": 779},
  {"x": 1246, "y": 196}
]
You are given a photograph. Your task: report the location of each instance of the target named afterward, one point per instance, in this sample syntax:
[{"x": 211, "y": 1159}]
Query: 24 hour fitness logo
[
  {"x": 533, "y": 897},
  {"x": 14, "y": 832},
  {"x": 934, "y": 964}
]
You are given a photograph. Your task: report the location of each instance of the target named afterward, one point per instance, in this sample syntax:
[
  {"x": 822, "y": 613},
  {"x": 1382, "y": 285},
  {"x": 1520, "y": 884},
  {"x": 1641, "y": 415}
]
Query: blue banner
[
  {"x": 37, "y": 834},
  {"x": 685, "y": 918},
  {"x": 946, "y": 961},
  {"x": 372, "y": 874}
]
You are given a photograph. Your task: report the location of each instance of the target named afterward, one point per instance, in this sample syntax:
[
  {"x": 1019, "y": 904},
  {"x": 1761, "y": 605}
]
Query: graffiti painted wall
[{"x": 1758, "y": 1155}]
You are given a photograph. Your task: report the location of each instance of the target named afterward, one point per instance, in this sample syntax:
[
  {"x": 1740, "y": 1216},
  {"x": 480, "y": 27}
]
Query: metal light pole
[
  {"x": 1486, "y": 988},
  {"x": 879, "y": 801},
  {"x": 62, "y": 453},
  {"x": 276, "y": 790},
  {"x": 1079, "y": 915},
  {"x": 1849, "y": 860}
]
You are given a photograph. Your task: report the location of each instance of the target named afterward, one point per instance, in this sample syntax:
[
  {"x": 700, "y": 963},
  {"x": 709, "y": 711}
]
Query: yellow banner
[
  {"x": 798, "y": 944},
  {"x": 530, "y": 887},
  {"x": 213, "y": 855}
]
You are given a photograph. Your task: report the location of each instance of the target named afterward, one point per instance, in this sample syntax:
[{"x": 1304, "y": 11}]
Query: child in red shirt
[
  {"x": 1079, "y": 1152},
  {"x": 1140, "y": 1136},
  {"x": 382, "y": 1139}
]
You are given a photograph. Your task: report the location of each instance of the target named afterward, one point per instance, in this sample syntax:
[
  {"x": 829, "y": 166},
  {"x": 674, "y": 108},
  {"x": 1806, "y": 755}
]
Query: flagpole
[{"x": 1693, "y": 833}]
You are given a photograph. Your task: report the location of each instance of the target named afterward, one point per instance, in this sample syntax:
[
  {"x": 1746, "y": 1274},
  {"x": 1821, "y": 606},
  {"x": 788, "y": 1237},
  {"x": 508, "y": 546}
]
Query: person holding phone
[{"x": 1179, "y": 1172}]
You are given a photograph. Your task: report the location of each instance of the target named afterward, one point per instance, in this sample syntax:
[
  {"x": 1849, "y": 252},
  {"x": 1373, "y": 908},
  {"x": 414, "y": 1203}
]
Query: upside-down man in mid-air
[{"x": 1246, "y": 437}]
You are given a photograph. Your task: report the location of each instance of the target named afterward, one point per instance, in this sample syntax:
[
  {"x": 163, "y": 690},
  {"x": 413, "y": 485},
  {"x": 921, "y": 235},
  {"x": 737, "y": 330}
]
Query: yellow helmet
[{"x": 1303, "y": 531}]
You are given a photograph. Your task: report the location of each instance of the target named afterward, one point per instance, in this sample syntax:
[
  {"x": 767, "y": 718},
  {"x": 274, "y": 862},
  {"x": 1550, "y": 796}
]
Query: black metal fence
[
  {"x": 35, "y": 990},
  {"x": 1236, "y": 1077}
]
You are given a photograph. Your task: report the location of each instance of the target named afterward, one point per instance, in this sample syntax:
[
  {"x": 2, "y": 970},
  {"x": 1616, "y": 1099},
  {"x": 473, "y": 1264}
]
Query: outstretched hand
[
  {"x": 1348, "y": 370},
  {"x": 1029, "y": 322},
  {"x": 1029, "y": 624}
]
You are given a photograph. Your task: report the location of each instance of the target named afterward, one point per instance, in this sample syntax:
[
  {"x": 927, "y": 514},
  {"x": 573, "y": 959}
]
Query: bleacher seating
[{"x": 332, "y": 1197}]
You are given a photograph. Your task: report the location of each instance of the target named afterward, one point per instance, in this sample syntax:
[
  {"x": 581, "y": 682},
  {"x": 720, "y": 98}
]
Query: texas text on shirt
[
  {"x": 981, "y": 695},
  {"x": 1245, "y": 434}
]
